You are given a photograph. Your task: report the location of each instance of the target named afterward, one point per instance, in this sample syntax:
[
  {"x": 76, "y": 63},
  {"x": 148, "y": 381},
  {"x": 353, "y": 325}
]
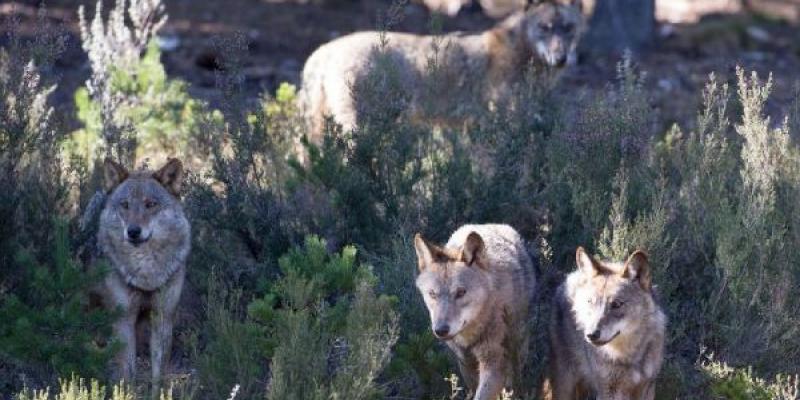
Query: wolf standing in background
[
  {"x": 146, "y": 237},
  {"x": 484, "y": 66},
  {"x": 607, "y": 333},
  {"x": 478, "y": 290},
  {"x": 492, "y": 8}
]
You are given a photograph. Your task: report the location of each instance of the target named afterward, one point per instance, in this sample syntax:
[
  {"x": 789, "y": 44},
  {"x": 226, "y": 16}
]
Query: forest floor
[{"x": 281, "y": 34}]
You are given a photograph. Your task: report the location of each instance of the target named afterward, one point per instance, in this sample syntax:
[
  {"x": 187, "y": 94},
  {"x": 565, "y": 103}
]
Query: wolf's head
[
  {"x": 550, "y": 30},
  {"x": 454, "y": 283},
  {"x": 143, "y": 206},
  {"x": 610, "y": 299}
]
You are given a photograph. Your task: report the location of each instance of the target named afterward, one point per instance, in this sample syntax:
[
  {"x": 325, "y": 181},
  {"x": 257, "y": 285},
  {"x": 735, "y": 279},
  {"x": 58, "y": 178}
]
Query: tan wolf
[
  {"x": 478, "y": 289},
  {"x": 477, "y": 68},
  {"x": 607, "y": 333},
  {"x": 146, "y": 238}
]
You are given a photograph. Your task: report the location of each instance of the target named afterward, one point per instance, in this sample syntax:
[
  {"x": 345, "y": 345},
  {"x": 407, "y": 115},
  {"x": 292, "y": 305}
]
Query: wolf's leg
[
  {"x": 649, "y": 391},
  {"x": 468, "y": 366},
  {"x": 117, "y": 295},
  {"x": 565, "y": 386},
  {"x": 162, "y": 323},
  {"x": 490, "y": 381},
  {"x": 125, "y": 331}
]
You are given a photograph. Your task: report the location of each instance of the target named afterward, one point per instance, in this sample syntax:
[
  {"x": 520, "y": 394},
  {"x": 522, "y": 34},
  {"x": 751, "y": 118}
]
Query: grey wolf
[
  {"x": 145, "y": 236},
  {"x": 478, "y": 289},
  {"x": 607, "y": 332},
  {"x": 479, "y": 68}
]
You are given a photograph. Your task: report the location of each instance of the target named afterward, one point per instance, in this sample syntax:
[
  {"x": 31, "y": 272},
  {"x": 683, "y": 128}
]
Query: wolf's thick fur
[
  {"x": 607, "y": 332},
  {"x": 482, "y": 67},
  {"x": 478, "y": 290},
  {"x": 146, "y": 237},
  {"x": 492, "y": 8}
]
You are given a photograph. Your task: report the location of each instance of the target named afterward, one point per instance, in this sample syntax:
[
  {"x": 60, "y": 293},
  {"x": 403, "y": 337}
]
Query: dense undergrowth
[{"x": 301, "y": 276}]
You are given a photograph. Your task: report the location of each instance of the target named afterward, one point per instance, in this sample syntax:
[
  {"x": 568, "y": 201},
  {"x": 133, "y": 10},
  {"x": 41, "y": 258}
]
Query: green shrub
[
  {"x": 129, "y": 107},
  {"x": 165, "y": 118},
  {"x": 741, "y": 384},
  {"x": 331, "y": 334},
  {"x": 420, "y": 362},
  {"x": 234, "y": 346},
  {"x": 46, "y": 321}
]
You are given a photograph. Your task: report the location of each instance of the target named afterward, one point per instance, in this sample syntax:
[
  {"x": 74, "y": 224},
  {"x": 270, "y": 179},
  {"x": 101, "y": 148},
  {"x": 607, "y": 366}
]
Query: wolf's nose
[
  {"x": 594, "y": 335},
  {"x": 442, "y": 331},
  {"x": 134, "y": 232}
]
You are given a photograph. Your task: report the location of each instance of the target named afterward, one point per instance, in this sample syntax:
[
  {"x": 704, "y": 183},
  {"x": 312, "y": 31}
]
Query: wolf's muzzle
[
  {"x": 134, "y": 234},
  {"x": 442, "y": 331}
]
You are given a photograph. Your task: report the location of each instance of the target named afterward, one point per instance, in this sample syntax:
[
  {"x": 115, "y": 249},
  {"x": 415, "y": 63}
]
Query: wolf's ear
[
  {"x": 474, "y": 251},
  {"x": 171, "y": 176},
  {"x": 113, "y": 174},
  {"x": 424, "y": 253},
  {"x": 638, "y": 268},
  {"x": 586, "y": 263}
]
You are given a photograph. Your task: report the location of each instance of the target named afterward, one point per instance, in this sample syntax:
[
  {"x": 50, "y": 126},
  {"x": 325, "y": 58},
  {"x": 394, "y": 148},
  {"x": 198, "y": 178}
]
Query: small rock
[
  {"x": 666, "y": 31},
  {"x": 258, "y": 72},
  {"x": 758, "y": 34},
  {"x": 666, "y": 84},
  {"x": 168, "y": 43}
]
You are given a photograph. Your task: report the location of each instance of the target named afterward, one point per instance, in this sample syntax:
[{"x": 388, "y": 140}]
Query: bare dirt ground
[{"x": 281, "y": 34}]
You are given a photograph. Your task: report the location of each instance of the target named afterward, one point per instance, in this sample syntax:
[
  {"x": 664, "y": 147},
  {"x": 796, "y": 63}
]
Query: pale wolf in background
[
  {"x": 446, "y": 7},
  {"x": 478, "y": 290},
  {"x": 607, "y": 333},
  {"x": 482, "y": 67},
  {"x": 492, "y": 8},
  {"x": 146, "y": 238}
]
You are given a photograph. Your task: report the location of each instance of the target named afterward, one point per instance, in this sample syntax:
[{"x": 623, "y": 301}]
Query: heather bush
[
  {"x": 47, "y": 328},
  {"x": 129, "y": 108},
  {"x": 602, "y": 149},
  {"x": 740, "y": 383}
]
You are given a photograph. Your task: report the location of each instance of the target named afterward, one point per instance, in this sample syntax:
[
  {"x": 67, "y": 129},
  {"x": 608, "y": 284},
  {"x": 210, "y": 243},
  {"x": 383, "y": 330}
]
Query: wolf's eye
[
  {"x": 432, "y": 294},
  {"x": 616, "y": 304},
  {"x": 460, "y": 293},
  {"x": 150, "y": 204},
  {"x": 124, "y": 204}
]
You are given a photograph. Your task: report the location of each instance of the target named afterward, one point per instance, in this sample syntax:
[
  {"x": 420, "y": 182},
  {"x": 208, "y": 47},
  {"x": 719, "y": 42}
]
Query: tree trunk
[{"x": 617, "y": 25}]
